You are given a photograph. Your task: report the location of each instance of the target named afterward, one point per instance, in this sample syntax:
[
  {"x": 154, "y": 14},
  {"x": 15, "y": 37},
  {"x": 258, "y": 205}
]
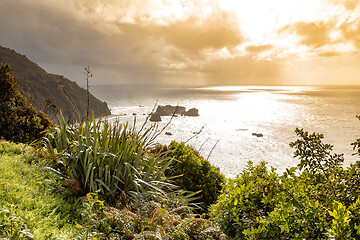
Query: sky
[{"x": 198, "y": 42}]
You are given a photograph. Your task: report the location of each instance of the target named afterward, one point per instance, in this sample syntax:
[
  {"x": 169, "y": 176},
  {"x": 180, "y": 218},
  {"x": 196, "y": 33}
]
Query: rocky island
[{"x": 169, "y": 110}]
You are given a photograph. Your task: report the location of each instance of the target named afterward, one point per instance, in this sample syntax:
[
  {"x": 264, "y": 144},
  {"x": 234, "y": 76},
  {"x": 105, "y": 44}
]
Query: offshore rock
[
  {"x": 193, "y": 112},
  {"x": 169, "y": 110},
  {"x": 155, "y": 117}
]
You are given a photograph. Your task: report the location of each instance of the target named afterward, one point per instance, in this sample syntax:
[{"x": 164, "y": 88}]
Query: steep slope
[{"x": 40, "y": 85}]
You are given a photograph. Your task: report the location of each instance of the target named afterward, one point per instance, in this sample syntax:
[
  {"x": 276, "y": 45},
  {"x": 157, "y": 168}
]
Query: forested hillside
[{"x": 41, "y": 87}]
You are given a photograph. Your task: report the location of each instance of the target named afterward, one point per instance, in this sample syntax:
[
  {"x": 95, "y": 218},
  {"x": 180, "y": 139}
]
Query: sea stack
[
  {"x": 193, "y": 112},
  {"x": 155, "y": 117}
]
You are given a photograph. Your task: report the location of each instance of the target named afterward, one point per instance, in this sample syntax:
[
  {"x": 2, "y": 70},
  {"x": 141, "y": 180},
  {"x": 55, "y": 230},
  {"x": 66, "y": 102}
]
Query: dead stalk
[
  {"x": 203, "y": 143},
  {"x": 212, "y": 149},
  {"x": 68, "y": 97},
  {"x": 148, "y": 117},
  {"x": 197, "y": 133}
]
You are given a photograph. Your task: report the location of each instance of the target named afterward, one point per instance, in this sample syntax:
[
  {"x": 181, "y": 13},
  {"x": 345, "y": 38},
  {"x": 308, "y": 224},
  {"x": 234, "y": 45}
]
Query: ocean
[{"x": 229, "y": 115}]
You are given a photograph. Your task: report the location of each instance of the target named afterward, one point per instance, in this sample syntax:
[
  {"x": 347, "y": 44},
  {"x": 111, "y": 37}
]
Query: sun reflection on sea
[
  {"x": 232, "y": 114},
  {"x": 256, "y": 105}
]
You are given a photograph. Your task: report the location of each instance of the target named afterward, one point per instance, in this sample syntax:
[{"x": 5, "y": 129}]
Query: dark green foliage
[
  {"x": 323, "y": 169},
  {"x": 196, "y": 173},
  {"x": 248, "y": 197},
  {"x": 19, "y": 121},
  {"x": 297, "y": 213}
]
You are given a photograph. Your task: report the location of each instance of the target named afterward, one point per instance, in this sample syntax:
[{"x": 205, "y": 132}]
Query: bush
[
  {"x": 146, "y": 220},
  {"x": 19, "y": 121},
  {"x": 197, "y": 174},
  {"x": 318, "y": 199},
  {"x": 297, "y": 213},
  {"x": 250, "y": 196}
]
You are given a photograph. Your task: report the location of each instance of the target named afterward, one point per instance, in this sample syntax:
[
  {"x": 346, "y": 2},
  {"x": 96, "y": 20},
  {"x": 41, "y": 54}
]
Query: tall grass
[{"x": 107, "y": 158}]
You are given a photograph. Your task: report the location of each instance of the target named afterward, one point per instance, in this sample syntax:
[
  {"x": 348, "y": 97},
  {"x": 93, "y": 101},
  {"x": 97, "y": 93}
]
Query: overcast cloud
[{"x": 182, "y": 42}]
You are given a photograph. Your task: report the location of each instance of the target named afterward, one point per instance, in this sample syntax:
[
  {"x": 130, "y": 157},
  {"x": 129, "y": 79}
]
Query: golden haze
[{"x": 191, "y": 41}]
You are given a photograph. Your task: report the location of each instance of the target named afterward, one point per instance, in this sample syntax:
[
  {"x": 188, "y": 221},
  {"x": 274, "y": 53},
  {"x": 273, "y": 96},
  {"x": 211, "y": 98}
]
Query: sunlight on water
[
  {"x": 254, "y": 88},
  {"x": 232, "y": 114},
  {"x": 257, "y": 105}
]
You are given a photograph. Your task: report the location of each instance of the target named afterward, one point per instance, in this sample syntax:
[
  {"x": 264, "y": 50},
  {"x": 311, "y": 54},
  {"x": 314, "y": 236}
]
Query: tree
[{"x": 19, "y": 121}]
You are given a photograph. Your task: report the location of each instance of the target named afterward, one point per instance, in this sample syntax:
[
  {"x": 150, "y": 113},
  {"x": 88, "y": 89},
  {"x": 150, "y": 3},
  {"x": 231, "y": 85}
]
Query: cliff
[{"x": 40, "y": 85}]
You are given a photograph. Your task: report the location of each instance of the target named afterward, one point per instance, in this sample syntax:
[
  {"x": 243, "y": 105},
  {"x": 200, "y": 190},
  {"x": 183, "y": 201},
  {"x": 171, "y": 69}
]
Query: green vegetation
[
  {"x": 142, "y": 209},
  {"x": 196, "y": 173},
  {"x": 101, "y": 180},
  {"x": 319, "y": 199},
  {"x": 146, "y": 220},
  {"x": 28, "y": 207},
  {"x": 19, "y": 121},
  {"x": 243, "y": 200},
  {"x": 109, "y": 159}
]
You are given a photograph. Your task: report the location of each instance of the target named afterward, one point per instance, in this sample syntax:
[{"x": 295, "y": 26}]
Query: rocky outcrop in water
[
  {"x": 169, "y": 110},
  {"x": 193, "y": 112},
  {"x": 155, "y": 117},
  {"x": 257, "y": 134}
]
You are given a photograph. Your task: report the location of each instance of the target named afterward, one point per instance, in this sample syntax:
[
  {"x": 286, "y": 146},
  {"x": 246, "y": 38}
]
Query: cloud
[
  {"x": 351, "y": 32},
  {"x": 239, "y": 70},
  {"x": 259, "y": 48},
  {"x": 312, "y": 34},
  {"x": 195, "y": 34},
  {"x": 49, "y": 34},
  {"x": 329, "y": 54},
  {"x": 120, "y": 36},
  {"x": 155, "y": 41},
  {"x": 348, "y": 4}
]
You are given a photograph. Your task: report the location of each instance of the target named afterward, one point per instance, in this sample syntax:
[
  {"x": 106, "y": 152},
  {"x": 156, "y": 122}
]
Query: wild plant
[
  {"x": 150, "y": 220},
  {"x": 107, "y": 158}
]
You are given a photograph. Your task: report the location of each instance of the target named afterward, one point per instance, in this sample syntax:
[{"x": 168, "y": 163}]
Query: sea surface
[{"x": 229, "y": 115}]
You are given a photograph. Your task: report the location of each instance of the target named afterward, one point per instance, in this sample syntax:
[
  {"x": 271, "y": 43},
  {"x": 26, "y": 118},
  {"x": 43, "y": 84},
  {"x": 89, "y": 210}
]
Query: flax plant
[{"x": 107, "y": 158}]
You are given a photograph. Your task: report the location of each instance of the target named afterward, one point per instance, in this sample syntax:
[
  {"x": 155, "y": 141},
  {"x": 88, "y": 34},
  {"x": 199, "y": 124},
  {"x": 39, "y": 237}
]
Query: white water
[{"x": 232, "y": 114}]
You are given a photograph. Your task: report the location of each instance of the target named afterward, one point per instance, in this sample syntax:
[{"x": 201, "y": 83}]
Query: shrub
[
  {"x": 315, "y": 156},
  {"x": 148, "y": 220},
  {"x": 297, "y": 214},
  {"x": 316, "y": 200},
  {"x": 323, "y": 169},
  {"x": 19, "y": 121},
  {"x": 246, "y": 198},
  {"x": 196, "y": 173}
]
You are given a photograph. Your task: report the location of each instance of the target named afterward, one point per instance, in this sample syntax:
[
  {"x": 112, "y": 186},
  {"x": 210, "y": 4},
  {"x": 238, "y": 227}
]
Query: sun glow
[{"x": 207, "y": 41}]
